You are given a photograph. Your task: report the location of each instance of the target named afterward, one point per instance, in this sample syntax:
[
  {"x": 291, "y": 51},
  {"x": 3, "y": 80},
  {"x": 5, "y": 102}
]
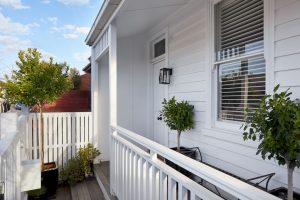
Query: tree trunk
[
  {"x": 178, "y": 140},
  {"x": 41, "y": 120},
  {"x": 290, "y": 180}
]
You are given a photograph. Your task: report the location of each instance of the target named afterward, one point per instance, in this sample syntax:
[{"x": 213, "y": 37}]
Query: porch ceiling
[{"x": 138, "y": 16}]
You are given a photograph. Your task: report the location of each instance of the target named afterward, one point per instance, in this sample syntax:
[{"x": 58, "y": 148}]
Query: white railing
[
  {"x": 139, "y": 172},
  {"x": 64, "y": 134},
  {"x": 10, "y": 162}
]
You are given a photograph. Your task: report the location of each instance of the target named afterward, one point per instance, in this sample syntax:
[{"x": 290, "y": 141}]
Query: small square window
[{"x": 160, "y": 48}]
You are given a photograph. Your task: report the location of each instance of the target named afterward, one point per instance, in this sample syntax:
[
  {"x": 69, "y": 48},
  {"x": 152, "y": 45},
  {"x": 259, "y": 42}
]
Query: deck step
[{"x": 101, "y": 172}]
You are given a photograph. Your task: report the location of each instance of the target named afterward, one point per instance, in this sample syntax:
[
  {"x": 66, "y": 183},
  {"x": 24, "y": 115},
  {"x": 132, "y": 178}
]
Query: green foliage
[
  {"x": 276, "y": 124},
  {"x": 74, "y": 77},
  {"x": 36, "y": 81},
  {"x": 72, "y": 171},
  {"x": 79, "y": 166},
  {"x": 178, "y": 115},
  {"x": 37, "y": 192},
  {"x": 86, "y": 156}
]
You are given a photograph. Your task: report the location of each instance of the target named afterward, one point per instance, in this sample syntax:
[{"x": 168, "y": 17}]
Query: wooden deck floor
[{"x": 86, "y": 190}]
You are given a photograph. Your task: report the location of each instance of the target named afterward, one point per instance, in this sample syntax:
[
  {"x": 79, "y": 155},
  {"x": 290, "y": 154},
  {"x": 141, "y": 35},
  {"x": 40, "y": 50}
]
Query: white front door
[{"x": 160, "y": 134}]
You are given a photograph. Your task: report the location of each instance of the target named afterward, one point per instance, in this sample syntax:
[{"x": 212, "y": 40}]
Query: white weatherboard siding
[
  {"x": 287, "y": 45},
  {"x": 189, "y": 58},
  {"x": 132, "y": 84}
]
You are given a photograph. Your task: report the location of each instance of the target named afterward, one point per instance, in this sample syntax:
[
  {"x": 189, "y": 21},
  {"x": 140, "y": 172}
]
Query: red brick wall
[
  {"x": 85, "y": 84},
  {"x": 74, "y": 100}
]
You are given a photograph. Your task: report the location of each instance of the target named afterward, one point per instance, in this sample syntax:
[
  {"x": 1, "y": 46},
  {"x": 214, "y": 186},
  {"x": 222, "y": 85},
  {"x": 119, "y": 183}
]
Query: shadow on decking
[{"x": 86, "y": 190}]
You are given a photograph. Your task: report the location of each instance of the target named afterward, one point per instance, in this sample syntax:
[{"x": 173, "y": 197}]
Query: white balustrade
[
  {"x": 139, "y": 172},
  {"x": 10, "y": 162}
]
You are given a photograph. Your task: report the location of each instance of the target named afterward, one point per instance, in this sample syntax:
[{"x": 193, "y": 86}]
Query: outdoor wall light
[{"x": 165, "y": 75}]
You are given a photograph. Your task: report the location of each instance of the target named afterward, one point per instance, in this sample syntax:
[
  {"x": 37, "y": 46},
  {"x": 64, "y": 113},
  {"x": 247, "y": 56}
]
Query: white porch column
[
  {"x": 112, "y": 39},
  {"x": 94, "y": 98}
]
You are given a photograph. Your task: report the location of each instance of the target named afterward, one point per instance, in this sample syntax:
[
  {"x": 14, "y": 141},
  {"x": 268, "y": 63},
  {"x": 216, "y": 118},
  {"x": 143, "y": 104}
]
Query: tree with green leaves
[
  {"x": 178, "y": 116},
  {"x": 276, "y": 124},
  {"x": 36, "y": 82},
  {"x": 74, "y": 77}
]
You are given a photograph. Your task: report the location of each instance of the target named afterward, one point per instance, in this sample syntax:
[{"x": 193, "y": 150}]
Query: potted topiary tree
[
  {"x": 276, "y": 124},
  {"x": 35, "y": 83},
  {"x": 178, "y": 116}
]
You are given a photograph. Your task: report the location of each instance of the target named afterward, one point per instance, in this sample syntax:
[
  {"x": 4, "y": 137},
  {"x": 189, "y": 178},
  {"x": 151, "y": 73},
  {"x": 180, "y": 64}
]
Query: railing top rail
[
  {"x": 227, "y": 183},
  {"x": 60, "y": 113},
  {"x": 7, "y": 142}
]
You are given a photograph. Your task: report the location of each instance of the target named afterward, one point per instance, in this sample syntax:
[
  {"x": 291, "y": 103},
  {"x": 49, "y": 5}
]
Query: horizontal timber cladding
[
  {"x": 188, "y": 57},
  {"x": 64, "y": 134},
  {"x": 287, "y": 45}
]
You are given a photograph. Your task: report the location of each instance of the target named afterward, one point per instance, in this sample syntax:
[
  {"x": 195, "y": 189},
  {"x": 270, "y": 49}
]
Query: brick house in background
[{"x": 78, "y": 100}]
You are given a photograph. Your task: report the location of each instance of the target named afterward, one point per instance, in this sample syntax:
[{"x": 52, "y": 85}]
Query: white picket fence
[
  {"x": 137, "y": 171},
  {"x": 10, "y": 161},
  {"x": 64, "y": 134}
]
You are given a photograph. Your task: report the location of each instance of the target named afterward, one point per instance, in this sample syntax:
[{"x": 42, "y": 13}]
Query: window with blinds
[{"x": 239, "y": 57}]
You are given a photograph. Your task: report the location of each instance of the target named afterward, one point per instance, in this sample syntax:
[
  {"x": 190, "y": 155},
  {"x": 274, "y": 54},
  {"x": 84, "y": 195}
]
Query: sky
[{"x": 57, "y": 28}]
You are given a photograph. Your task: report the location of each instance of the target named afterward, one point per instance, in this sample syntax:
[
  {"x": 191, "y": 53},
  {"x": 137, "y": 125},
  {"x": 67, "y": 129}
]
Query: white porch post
[
  {"x": 94, "y": 99},
  {"x": 112, "y": 38}
]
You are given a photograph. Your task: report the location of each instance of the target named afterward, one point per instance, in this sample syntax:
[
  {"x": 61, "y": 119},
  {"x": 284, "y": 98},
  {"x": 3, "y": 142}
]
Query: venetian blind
[
  {"x": 239, "y": 27},
  {"x": 241, "y": 81}
]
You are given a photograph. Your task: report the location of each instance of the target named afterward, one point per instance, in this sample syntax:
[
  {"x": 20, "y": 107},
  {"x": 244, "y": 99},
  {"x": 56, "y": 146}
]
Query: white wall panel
[{"x": 132, "y": 84}]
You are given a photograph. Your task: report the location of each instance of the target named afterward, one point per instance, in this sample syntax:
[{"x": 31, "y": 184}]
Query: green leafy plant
[
  {"x": 87, "y": 155},
  {"x": 80, "y": 165},
  {"x": 178, "y": 116},
  {"x": 74, "y": 77},
  {"x": 36, "y": 82},
  {"x": 72, "y": 172},
  {"x": 276, "y": 124}
]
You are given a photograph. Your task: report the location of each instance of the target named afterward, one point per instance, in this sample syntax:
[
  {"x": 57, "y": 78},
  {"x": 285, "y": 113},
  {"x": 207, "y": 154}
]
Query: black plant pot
[
  {"x": 50, "y": 178},
  {"x": 1, "y": 196},
  {"x": 189, "y": 152},
  {"x": 281, "y": 192}
]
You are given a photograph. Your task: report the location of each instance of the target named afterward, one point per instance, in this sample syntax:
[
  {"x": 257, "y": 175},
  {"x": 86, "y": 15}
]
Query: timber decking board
[
  {"x": 86, "y": 190},
  {"x": 63, "y": 193},
  {"x": 94, "y": 189},
  {"x": 102, "y": 174}
]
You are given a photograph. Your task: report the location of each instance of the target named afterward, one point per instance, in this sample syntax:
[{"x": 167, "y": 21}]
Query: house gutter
[{"x": 106, "y": 11}]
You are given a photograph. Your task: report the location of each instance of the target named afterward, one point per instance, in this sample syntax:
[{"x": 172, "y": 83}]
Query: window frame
[{"x": 267, "y": 53}]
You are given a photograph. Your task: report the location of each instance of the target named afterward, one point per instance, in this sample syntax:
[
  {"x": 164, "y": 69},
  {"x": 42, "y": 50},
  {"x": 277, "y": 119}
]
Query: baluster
[{"x": 163, "y": 186}]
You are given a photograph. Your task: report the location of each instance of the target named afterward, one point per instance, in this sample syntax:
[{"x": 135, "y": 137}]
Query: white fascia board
[{"x": 107, "y": 9}]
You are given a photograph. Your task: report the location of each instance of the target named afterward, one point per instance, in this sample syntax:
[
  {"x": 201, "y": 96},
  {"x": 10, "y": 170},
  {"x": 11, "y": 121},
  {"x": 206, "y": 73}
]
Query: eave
[{"x": 107, "y": 9}]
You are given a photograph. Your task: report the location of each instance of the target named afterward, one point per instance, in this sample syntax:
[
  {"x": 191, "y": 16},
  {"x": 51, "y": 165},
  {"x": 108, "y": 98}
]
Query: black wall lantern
[{"x": 165, "y": 75}]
